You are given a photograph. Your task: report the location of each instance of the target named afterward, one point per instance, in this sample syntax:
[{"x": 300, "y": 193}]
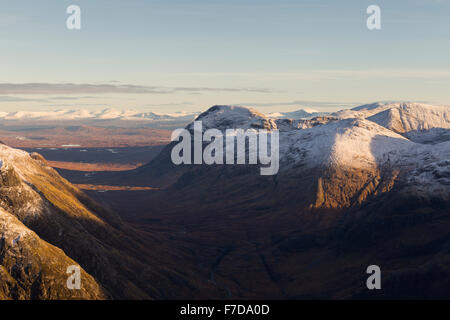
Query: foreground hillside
[
  {"x": 31, "y": 268},
  {"x": 46, "y": 225}
]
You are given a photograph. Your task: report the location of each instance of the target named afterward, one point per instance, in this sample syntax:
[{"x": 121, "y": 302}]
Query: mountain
[
  {"x": 323, "y": 143},
  {"x": 106, "y": 114},
  {"x": 223, "y": 117},
  {"x": 401, "y": 117},
  {"x": 421, "y": 123},
  {"x": 362, "y": 111},
  {"x": 350, "y": 192},
  {"x": 407, "y": 117},
  {"x": 298, "y": 114},
  {"x": 46, "y": 224}
]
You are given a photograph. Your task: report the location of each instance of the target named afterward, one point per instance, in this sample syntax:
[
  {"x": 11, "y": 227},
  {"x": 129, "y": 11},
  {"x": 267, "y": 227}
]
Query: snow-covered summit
[
  {"x": 234, "y": 117},
  {"x": 412, "y": 109},
  {"x": 419, "y": 122},
  {"x": 344, "y": 141},
  {"x": 406, "y": 117},
  {"x": 349, "y": 142},
  {"x": 362, "y": 111}
]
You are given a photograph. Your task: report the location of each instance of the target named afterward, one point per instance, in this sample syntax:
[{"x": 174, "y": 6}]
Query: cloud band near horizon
[{"x": 86, "y": 88}]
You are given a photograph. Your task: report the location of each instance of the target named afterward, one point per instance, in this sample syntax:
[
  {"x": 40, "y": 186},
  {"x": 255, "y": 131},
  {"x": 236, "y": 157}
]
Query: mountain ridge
[{"x": 321, "y": 142}]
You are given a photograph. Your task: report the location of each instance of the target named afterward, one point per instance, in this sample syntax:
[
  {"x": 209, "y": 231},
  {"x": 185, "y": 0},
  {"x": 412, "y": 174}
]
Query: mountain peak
[
  {"x": 233, "y": 117},
  {"x": 230, "y": 110},
  {"x": 407, "y": 117}
]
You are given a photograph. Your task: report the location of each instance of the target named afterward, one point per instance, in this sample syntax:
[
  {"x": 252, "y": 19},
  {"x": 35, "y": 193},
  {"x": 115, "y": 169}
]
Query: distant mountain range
[
  {"x": 106, "y": 114},
  {"x": 130, "y": 115},
  {"x": 298, "y": 114}
]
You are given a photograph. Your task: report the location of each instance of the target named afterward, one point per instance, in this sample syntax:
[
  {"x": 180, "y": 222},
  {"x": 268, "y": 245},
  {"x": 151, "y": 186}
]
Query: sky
[{"x": 173, "y": 55}]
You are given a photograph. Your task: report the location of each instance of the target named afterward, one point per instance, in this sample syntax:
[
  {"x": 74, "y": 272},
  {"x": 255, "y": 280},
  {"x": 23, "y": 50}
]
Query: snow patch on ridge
[
  {"x": 413, "y": 117},
  {"x": 298, "y": 114},
  {"x": 350, "y": 142}
]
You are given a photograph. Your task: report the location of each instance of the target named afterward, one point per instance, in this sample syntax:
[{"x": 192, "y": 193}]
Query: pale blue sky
[{"x": 188, "y": 55}]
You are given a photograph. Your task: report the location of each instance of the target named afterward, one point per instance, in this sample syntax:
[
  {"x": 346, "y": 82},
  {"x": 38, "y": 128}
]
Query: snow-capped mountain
[
  {"x": 418, "y": 122},
  {"x": 106, "y": 114},
  {"x": 357, "y": 140},
  {"x": 362, "y": 111},
  {"x": 298, "y": 114},
  {"x": 401, "y": 117},
  {"x": 345, "y": 141},
  {"x": 223, "y": 117},
  {"x": 407, "y": 117}
]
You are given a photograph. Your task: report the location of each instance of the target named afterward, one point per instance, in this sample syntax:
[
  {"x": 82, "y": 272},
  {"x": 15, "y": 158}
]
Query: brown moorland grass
[
  {"x": 112, "y": 188},
  {"x": 87, "y": 167}
]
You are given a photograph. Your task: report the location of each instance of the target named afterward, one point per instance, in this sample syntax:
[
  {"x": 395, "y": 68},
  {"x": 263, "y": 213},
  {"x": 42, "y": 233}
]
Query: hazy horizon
[{"x": 265, "y": 109}]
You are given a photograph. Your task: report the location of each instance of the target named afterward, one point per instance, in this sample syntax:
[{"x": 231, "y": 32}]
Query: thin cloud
[
  {"x": 72, "y": 88},
  {"x": 169, "y": 104},
  {"x": 196, "y": 90},
  {"x": 20, "y": 99},
  {"x": 70, "y": 98}
]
